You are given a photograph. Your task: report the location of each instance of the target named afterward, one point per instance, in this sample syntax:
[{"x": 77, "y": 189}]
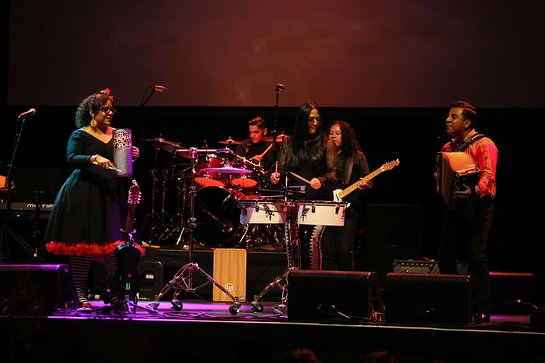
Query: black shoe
[{"x": 106, "y": 296}]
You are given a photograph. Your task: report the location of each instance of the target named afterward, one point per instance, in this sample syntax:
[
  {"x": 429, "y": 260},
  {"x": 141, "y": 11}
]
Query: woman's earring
[{"x": 93, "y": 123}]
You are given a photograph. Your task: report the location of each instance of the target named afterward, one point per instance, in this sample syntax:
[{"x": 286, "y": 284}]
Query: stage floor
[{"x": 206, "y": 331}]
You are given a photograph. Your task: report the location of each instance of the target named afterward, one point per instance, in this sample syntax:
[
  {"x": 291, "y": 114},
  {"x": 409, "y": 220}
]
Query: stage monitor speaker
[
  {"x": 36, "y": 289},
  {"x": 332, "y": 295},
  {"x": 513, "y": 293},
  {"x": 429, "y": 298}
]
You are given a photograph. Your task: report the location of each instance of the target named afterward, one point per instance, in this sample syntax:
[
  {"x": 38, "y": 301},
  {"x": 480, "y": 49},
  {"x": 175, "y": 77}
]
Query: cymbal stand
[
  {"x": 291, "y": 239},
  {"x": 181, "y": 192},
  {"x": 183, "y": 279}
]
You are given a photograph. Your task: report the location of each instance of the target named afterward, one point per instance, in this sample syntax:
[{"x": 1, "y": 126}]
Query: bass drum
[{"x": 218, "y": 217}]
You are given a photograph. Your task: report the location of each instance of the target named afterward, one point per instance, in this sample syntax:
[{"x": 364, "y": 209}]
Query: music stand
[{"x": 183, "y": 279}]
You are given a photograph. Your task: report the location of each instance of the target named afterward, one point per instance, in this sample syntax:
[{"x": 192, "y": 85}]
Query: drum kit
[
  {"x": 226, "y": 209},
  {"x": 230, "y": 208},
  {"x": 221, "y": 178}
]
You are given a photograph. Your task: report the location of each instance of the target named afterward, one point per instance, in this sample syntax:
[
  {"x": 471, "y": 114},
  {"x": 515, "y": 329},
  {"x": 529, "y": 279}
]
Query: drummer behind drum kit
[
  {"x": 229, "y": 210},
  {"x": 221, "y": 178}
]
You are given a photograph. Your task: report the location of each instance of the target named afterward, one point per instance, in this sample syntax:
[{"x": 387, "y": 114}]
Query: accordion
[{"x": 455, "y": 171}]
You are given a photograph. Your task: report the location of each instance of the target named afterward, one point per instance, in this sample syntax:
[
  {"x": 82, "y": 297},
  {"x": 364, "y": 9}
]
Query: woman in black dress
[
  {"x": 308, "y": 154},
  {"x": 89, "y": 212}
]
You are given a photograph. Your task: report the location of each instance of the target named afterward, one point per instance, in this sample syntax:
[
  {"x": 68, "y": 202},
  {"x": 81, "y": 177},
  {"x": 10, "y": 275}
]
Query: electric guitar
[
  {"x": 126, "y": 282},
  {"x": 339, "y": 194}
]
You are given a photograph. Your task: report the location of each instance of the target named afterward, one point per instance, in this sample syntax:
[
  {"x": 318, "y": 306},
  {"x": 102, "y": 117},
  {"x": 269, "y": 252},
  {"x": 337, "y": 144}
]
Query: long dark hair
[
  {"x": 303, "y": 145},
  {"x": 91, "y": 103},
  {"x": 349, "y": 143}
]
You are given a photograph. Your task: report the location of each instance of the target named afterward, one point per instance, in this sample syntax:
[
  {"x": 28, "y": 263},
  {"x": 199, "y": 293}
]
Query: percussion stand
[
  {"x": 183, "y": 279},
  {"x": 181, "y": 188},
  {"x": 281, "y": 280}
]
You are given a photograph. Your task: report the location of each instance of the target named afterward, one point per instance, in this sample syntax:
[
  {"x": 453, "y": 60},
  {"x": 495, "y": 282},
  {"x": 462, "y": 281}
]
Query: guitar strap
[
  {"x": 466, "y": 144},
  {"x": 348, "y": 166}
]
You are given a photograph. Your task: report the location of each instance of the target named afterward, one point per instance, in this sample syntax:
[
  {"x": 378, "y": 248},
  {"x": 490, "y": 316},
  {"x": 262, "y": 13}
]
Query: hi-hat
[
  {"x": 168, "y": 146},
  {"x": 227, "y": 170},
  {"x": 183, "y": 154},
  {"x": 279, "y": 138},
  {"x": 229, "y": 141}
]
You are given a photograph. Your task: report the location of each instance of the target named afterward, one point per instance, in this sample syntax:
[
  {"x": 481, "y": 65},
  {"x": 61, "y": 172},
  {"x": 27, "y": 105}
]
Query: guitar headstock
[
  {"x": 390, "y": 165},
  {"x": 134, "y": 193}
]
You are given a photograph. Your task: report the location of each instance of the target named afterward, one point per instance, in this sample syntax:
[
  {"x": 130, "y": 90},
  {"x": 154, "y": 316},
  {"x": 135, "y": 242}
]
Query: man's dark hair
[
  {"x": 258, "y": 121},
  {"x": 469, "y": 111}
]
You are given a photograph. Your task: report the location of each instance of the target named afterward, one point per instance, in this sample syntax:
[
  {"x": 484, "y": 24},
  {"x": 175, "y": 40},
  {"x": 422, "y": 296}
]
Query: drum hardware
[
  {"x": 280, "y": 281},
  {"x": 160, "y": 226},
  {"x": 291, "y": 240},
  {"x": 227, "y": 170},
  {"x": 205, "y": 176},
  {"x": 279, "y": 138},
  {"x": 183, "y": 279},
  {"x": 229, "y": 141},
  {"x": 162, "y": 144}
]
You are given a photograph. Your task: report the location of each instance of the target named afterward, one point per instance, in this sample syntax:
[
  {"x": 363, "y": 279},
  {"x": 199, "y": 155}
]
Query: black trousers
[
  {"x": 464, "y": 237},
  {"x": 338, "y": 243}
]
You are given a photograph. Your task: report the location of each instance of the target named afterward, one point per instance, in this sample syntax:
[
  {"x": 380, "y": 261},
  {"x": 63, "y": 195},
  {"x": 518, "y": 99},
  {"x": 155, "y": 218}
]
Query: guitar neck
[
  {"x": 365, "y": 179},
  {"x": 130, "y": 218}
]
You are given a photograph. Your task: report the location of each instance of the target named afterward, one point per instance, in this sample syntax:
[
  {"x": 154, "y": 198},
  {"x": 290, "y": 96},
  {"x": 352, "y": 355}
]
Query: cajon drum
[{"x": 229, "y": 272}]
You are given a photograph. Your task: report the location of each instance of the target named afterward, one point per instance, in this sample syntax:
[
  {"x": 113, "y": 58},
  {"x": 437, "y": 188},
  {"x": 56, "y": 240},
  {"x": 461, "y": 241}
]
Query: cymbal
[
  {"x": 279, "y": 138},
  {"x": 227, "y": 170},
  {"x": 229, "y": 141},
  {"x": 168, "y": 146},
  {"x": 184, "y": 154}
]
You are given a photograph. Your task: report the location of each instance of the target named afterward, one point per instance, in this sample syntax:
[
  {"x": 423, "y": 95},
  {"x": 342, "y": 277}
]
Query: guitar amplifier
[
  {"x": 455, "y": 171},
  {"x": 416, "y": 266},
  {"x": 424, "y": 266}
]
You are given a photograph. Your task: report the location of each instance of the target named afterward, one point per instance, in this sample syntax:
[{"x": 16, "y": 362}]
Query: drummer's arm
[{"x": 278, "y": 168}]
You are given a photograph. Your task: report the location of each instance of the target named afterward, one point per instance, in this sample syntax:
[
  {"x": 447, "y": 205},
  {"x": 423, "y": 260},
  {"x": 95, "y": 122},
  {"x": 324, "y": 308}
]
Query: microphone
[
  {"x": 280, "y": 86},
  {"x": 30, "y": 112},
  {"x": 159, "y": 88}
]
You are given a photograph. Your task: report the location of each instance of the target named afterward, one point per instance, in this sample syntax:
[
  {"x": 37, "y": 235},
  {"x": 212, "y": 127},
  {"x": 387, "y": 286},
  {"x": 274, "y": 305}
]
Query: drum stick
[
  {"x": 300, "y": 177},
  {"x": 266, "y": 151},
  {"x": 260, "y": 156}
]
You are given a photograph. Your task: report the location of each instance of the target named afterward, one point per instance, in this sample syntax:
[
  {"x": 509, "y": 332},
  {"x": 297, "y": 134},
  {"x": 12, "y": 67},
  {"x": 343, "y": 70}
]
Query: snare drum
[
  {"x": 317, "y": 212},
  {"x": 254, "y": 211}
]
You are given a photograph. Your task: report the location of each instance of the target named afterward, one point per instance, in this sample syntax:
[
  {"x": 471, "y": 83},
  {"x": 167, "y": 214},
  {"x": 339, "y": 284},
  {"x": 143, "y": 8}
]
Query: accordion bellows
[{"x": 456, "y": 171}]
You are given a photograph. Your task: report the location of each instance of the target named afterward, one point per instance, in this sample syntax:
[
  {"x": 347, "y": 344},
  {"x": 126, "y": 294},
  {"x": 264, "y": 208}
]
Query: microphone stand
[
  {"x": 4, "y": 242},
  {"x": 275, "y": 122},
  {"x": 183, "y": 279},
  {"x": 146, "y": 99},
  {"x": 281, "y": 281}
]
